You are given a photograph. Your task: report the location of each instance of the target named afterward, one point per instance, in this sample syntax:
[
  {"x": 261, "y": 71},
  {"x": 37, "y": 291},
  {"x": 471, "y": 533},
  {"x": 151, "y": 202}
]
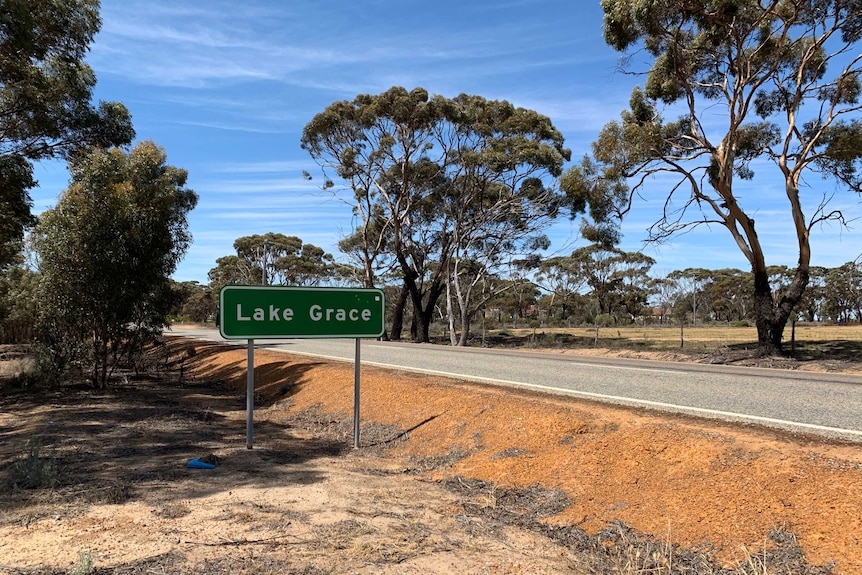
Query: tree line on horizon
[
  {"x": 451, "y": 196},
  {"x": 593, "y": 285}
]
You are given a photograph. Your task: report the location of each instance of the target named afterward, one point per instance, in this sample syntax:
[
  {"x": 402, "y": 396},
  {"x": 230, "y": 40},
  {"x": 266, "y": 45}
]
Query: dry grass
[
  {"x": 717, "y": 334},
  {"x": 810, "y": 339},
  {"x": 14, "y": 367}
]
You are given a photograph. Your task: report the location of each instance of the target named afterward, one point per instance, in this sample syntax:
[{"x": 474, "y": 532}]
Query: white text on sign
[{"x": 315, "y": 313}]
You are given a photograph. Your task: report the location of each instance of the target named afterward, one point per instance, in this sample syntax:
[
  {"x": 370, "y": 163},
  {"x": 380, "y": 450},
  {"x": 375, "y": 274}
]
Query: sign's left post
[{"x": 249, "y": 398}]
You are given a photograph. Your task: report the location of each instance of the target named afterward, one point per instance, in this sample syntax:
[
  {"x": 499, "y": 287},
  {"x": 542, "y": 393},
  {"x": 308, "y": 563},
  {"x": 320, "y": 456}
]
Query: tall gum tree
[
  {"x": 434, "y": 180},
  {"x": 759, "y": 82},
  {"x": 273, "y": 259}
]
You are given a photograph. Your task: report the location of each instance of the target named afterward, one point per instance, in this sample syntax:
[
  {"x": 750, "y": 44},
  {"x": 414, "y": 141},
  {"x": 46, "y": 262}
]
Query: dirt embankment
[
  {"x": 729, "y": 490},
  {"x": 692, "y": 481}
]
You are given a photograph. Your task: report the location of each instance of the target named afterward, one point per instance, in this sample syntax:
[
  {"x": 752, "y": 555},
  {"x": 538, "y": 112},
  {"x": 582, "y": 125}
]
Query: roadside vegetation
[{"x": 60, "y": 467}]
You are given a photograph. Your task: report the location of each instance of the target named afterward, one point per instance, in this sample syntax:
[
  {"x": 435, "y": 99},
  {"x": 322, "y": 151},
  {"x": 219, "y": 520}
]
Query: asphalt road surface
[{"x": 823, "y": 404}]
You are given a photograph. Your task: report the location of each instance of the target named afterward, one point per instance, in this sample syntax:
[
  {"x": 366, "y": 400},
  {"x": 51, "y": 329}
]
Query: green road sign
[{"x": 254, "y": 312}]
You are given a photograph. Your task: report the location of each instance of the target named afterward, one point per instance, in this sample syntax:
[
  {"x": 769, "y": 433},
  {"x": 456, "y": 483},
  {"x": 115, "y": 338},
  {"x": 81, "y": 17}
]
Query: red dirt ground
[{"x": 694, "y": 482}]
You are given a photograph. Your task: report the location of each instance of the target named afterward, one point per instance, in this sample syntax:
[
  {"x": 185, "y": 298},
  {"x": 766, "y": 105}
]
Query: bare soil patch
[{"x": 451, "y": 477}]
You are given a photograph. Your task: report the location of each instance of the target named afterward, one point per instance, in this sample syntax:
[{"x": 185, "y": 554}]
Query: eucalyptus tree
[
  {"x": 273, "y": 258},
  {"x": 367, "y": 262},
  {"x": 232, "y": 269},
  {"x": 599, "y": 264},
  {"x": 635, "y": 285},
  {"x": 665, "y": 295},
  {"x": 563, "y": 278},
  {"x": 772, "y": 84},
  {"x": 108, "y": 249},
  {"x": 309, "y": 265},
  {"x": 812, "y": 304},
  {"x": 500, "y": 199},
  {"x": 520, "y": 298},
  {"x": 691, "y": 283},
  {"x": 438, "y": 181},
  {"x": 844, "y": 292},
  {"x": 729, "y": 294},
  {"x": 19, "y": 304},
  {"x": 260, "y": 252},
  {"x": 199, "y": 303},
  {"x": 45, "y": 100}
]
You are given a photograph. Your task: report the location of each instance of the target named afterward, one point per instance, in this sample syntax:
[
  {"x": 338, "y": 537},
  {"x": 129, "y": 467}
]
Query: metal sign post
[
  {"x": 356, "y": 377},
  {"x": 278, "y": 312},
  {"x": 249, "y": 398}
]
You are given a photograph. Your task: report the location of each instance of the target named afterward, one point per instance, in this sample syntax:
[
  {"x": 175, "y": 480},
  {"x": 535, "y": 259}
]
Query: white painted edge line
[
  {"x": 715, "y": 414},
  {"x": 583, "y": 364}
]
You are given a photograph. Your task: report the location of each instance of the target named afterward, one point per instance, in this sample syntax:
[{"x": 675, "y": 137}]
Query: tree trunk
[
  {"x": 100, "y": 363},
  {"x": 769, "y": 331},
  {"x": 793, "y": 337},
  {"x": 423, "y": 315},
  {"x": 419, "y": 328},
  {"x": 450, "y": 315},
  {"x": 398, "y": 314},
  {"x": 770, "y": 315},
  {"x": 465, "y": 328},
  {"x": 414, "y": 328}
]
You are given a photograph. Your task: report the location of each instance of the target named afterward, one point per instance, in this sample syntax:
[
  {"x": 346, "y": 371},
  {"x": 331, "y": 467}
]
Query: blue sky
[{"x": 227, "y": 87}]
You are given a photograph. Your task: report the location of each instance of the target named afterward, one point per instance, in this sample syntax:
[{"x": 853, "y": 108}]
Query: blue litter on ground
[{"x": 198, "y": 464}]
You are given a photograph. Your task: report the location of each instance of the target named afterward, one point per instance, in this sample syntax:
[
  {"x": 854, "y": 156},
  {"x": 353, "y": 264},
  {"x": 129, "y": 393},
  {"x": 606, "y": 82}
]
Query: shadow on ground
[{"x": 94, "y": 446}]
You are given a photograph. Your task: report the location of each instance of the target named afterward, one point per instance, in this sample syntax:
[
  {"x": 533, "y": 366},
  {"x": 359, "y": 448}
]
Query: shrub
[{"x": 34, "y": 471}]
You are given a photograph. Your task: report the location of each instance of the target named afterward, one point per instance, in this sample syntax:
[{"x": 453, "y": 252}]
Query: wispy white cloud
[
  {"x": 226, "y": 87},
  {"x": 276, "y": 166},
  {"x": 238, "y": 188},
  {"x": 226, "y": 126},
  {"x": 311, "y": 45}
]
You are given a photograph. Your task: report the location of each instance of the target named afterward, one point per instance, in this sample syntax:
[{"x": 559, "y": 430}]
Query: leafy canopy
[
  {"x": 110, "y": 245},
  {"x": 273, "y": 258},
  {"x": 434, "y": 181},
  {"x": 45, "y": 100}
]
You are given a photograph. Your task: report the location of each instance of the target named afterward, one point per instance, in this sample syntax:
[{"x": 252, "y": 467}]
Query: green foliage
[
  {"x": 45, "y": 92},
  {"x": 18, "y": 304},
  {"x": 34, "y": 471},
  {"x": 47, "y": 85},
  {"x": 842, "y": 296},
  {"x": 200, "y": 305},
  {"x": 760, "y": 63},
  {"x": 446, "y": 190},
  {"x": 604, "y": 320},
  {"x": 16, "y": 178},
  {"x": 273, "y": 258},
  {"x": 107, "y": 250}
]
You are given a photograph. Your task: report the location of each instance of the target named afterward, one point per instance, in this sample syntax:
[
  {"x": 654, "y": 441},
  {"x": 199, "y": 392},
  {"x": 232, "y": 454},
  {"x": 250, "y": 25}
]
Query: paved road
[{"x": 824, "y": 404}]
